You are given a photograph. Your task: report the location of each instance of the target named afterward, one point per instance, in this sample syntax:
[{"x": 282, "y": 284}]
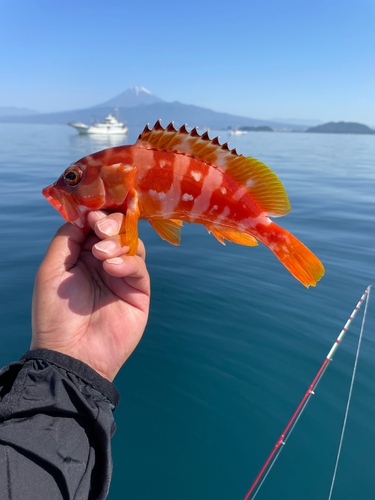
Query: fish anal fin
[
  {"x": 234, "y": 235},
  {"x": 217, "y": 235},
  {"x": 168, "y": 229}
]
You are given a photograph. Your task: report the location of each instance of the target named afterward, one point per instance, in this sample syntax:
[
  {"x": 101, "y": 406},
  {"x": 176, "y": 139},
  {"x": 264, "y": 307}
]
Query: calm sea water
[{"x": 233, "y": 340}]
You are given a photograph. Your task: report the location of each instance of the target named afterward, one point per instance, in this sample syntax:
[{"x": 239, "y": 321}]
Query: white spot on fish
[
  {"x": 187, "y": 197},
  {"x": 223, "y": 190},
  {"x": 239, "y": 194},
  {"x": 249, "y": 183},
  {"x": 224, "y": 215},
  {"x": 253, "y": 221},
  {"x": 162, "y": 163},
  {"x": 197, "y": 175},
  {"x": 123, "y": 167},
  {"x": 155, "y": 194},
  {"x": 215, "y": 207},
  {"x": 226, "y": 212}
]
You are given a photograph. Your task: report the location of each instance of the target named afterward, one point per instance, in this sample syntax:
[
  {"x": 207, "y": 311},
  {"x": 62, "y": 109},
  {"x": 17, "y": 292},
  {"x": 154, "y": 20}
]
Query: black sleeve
[{"x": 56, "y": 425}]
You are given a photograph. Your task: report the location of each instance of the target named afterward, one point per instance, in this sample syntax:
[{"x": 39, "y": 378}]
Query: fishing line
[
  {"x": 282, "y": 443},
  {"x": 350, "y": 396},
  {"x": 301, "y": 407}
]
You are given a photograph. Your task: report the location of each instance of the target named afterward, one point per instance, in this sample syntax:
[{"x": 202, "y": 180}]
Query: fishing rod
[{"x": 310, "y": 392}]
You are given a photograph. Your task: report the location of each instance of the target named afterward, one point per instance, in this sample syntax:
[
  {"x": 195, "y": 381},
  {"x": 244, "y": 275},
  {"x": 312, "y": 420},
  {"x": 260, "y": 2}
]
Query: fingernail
[
  {"x": 115, "y": 260},
  {"x": 106, "y": 246},
  {"x": 108, "y": 226}
]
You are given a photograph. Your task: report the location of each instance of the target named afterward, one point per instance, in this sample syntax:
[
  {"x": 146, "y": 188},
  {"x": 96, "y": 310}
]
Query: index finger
[{"x": 107, "y": 225}]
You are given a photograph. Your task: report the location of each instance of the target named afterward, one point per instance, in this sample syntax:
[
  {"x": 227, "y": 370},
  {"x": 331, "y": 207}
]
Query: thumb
[{"x": 64, "y": 250}]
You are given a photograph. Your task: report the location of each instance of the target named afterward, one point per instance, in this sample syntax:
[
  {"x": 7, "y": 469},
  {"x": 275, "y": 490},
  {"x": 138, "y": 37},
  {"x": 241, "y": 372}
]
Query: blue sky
[{"x": 263, "y": 59}]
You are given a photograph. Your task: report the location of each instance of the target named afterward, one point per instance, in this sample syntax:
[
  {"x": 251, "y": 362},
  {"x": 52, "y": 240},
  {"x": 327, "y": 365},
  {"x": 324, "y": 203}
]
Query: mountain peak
[
  {"x": 139, "y": 90},
  {"x": 133, "y": 96}
]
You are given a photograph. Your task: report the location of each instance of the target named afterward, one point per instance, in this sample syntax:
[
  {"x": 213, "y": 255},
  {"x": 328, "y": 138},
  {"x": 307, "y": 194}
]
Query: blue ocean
[{"x": 233, "y": 340}]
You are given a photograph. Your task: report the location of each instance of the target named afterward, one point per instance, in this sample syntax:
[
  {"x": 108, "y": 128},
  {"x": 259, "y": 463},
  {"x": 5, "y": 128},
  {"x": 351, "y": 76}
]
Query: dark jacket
[{"x": 56, "y": 425}]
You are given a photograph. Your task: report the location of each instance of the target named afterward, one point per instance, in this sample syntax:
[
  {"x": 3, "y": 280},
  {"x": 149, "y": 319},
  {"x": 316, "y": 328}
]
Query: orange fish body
[{"x": 170, "y": 176}]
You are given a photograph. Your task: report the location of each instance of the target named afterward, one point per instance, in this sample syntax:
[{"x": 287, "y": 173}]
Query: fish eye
[{"x": 73, "y": 176}]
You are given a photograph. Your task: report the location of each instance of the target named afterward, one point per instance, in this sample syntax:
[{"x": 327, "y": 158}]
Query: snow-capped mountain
[{"x": 133, "y": 96}]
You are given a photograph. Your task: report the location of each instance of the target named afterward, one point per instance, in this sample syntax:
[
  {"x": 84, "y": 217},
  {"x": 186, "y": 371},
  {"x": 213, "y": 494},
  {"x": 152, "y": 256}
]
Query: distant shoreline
[
  {"x": 328, "y": 128},
  {"x": 137, "y": 106},
  {"x": 341, "y": 128}
]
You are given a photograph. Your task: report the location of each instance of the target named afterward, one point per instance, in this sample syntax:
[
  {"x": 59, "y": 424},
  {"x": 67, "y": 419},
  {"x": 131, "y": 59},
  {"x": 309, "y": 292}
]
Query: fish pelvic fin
[
  {"x": 297, "y": 258},
  {"x": 255, "y": 177},
  {"x": 129, "y": 229}
]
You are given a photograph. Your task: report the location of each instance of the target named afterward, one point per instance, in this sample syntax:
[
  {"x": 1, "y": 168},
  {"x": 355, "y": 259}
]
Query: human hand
[{"x": 91, "y": 301}]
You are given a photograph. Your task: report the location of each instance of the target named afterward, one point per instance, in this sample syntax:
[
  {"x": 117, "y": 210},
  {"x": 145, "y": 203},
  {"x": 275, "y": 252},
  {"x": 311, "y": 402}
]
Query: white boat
[
  {"x": 235, "y": 131},
  {"x": 110, "y": 126}
]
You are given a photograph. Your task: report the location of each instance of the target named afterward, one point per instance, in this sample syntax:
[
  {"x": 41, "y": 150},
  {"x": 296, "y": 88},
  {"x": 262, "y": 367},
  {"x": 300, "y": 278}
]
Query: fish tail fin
[{"x": 297, "y": 258}]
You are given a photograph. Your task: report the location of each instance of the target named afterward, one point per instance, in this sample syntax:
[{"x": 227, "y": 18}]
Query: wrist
[
  {"x": 80, "y": 368},
  {"x": 38, "y": 345}
]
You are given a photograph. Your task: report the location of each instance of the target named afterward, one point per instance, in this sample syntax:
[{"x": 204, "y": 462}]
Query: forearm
[{"x": 56, "y": 425}]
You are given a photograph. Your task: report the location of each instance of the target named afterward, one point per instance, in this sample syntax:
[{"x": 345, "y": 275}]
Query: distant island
[
  {"x": 262, "y": 128},
  {"x": 341, "y": 128}
]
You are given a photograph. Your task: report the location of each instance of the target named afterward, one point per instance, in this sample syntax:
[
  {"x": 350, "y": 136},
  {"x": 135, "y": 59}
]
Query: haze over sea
[{"x": 233, "y": 341}]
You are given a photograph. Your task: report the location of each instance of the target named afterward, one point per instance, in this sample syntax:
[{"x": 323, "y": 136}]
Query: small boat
[
  {"x": 236, "y": 131},
  {"x": 110, "y": 126}
]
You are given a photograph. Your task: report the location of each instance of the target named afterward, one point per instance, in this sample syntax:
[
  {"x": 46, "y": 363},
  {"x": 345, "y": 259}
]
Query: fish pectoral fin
[
  {"x": 230, "y": 234},
  {"x": 168, "y": 229},
  {"x": 129, "y": 230}
]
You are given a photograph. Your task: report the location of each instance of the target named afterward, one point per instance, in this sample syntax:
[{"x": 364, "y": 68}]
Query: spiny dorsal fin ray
[{"x": 255, "y": 177}]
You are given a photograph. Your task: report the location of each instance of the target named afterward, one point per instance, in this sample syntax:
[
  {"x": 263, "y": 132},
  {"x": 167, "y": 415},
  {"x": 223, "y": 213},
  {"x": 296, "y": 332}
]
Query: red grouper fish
[{"x": 170, "y": 176}]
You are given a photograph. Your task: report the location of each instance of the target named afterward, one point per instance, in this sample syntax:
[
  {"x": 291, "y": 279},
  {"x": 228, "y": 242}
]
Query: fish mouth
[{"x": 59, "y": 201}]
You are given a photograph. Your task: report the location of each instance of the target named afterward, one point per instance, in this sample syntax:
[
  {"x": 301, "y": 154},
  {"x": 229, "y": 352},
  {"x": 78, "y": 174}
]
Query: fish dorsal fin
[
  {"x": 256, "y": 178},
  {"x": 168, "y": 229}
]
